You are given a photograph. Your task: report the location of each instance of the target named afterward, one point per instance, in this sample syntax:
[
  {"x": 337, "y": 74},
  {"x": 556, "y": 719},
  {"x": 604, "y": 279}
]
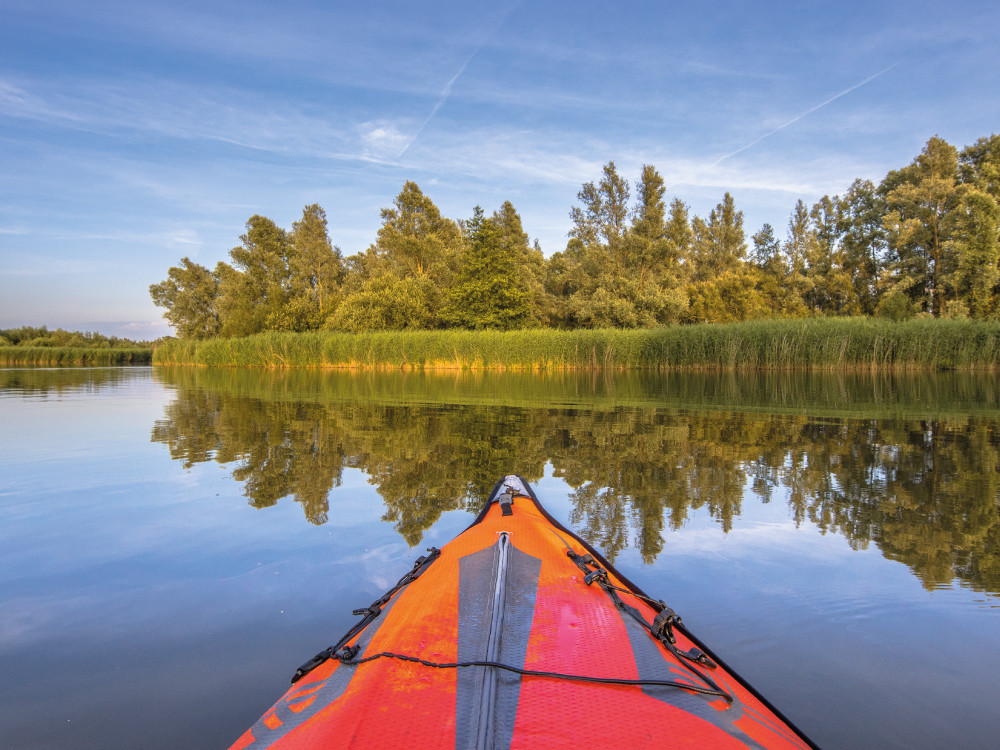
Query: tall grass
[
  {"x": 815, "y": 344},
  {"x": 73, "y": 355}
]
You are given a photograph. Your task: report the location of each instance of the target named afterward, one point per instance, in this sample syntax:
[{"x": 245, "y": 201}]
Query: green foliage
[
  {"x": 920, "y": 221},
  {"x": 316, "y": 270},
  {"x": 388, "y": 303},
  {"x": 486, "y": 293},
  {"x": 896, "y": 306},
  {"x": 254, "y": 292},
  {"x": 189, "y": 296},
  {"x": 415, "y": 240},
  {"x": 43, "y": 337},
  {"x": 930, "y": 232}
]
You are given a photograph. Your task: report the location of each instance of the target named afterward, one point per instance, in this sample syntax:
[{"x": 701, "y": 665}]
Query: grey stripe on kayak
[
  {"x": 650, "y": 662},
  {"x": 476, "y": 587},
  {"x": 330, "y": 690}
]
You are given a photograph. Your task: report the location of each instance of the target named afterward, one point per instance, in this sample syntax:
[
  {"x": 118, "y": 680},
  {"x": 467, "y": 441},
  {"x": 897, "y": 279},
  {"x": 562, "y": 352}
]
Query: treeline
[
  {"x": 925, "y": 241},
  {"x": 43, "y": 337}
]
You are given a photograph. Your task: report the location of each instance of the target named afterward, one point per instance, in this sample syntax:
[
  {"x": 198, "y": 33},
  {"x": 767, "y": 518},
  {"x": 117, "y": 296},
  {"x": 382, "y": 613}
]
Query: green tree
[
  {"x": 679, "y": 237},
  {"x": 778, "y": 294},
  {"x": 863, "y": 241},
  {"x": 832, "y": 292},
  {"x": 799, "y": 248},
  {"x": 600, "y": 224},
  {"x": 719, "y": 244},
  {"x": 979, "y": 165},
  {"x": 595, "y": 253},
  {"x": 316, "y": 267},
  {"x": 532, "y": 268},
  {"x": 415, "y": 239},
  {"x": 188, "y": 296},
  {"x": 723, "y": 287},
  {"x": 386, "y": 302},
  {"x": 976, "y": 253},
  {"x": 921, "y": 201},
  {"x": 487, "y": 292},
  {"x": 254, "y": 291}
]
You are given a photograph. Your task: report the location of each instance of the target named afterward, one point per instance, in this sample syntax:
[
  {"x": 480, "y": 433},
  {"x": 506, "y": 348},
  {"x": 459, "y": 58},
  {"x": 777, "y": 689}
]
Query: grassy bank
[
  {"x": 73, "y": 355},
  {"x": 816, "y": 344}
]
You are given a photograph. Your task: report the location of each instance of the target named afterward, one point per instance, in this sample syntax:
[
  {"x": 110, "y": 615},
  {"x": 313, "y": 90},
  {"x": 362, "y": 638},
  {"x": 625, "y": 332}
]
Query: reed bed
[
  {"x": 73, "y": 355},
  {"x": 813, "y": 344}
]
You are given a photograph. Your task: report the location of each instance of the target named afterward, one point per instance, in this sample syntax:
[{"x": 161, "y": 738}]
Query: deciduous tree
[{"x": 188, "y": 296}]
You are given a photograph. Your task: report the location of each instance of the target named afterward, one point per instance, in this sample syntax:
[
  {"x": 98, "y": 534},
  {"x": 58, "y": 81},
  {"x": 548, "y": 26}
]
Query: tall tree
[
  {"x": 976, "y": 254},
  {"x": 832, "y": 292},
  {"x": 254, "y": 291},
  {"x": 980, "y": 165},
  {"x": 719, "y": 244},
  {"x": 723, "y": 286},
  {"x": 920, "y": 221},
  {"x": 486, "y": 293},
  {"x": 415, "y": 239},
  {"x": 530, "y": 262},
  {"x": 863, "y": 241},
  {"x": 189, "y": 296},
  {"x": 648, "y": 250},
  {"x": 601, "y": 222},
  {"x": 315, "y": 265}
]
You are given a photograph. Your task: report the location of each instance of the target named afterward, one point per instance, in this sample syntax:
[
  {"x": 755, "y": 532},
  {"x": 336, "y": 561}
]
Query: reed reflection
[{"x": 641, "y": 451}]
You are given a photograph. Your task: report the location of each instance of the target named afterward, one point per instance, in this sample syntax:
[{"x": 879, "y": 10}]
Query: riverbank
[
  {"x": 814, "y": 344},
  {"x": 73, "y": 355}
]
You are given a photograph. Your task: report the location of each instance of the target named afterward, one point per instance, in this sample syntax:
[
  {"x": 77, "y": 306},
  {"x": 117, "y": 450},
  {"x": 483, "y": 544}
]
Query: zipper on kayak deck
[{"x": 487, "y": 704}]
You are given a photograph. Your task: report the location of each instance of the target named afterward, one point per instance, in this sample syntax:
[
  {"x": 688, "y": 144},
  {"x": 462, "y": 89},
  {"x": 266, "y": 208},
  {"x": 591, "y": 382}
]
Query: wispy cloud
[{"x": 799, "y": 116}]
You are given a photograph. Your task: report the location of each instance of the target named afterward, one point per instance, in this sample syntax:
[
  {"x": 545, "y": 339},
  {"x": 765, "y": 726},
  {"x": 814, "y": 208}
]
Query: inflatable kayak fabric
[{"x": 517, "y": 634}]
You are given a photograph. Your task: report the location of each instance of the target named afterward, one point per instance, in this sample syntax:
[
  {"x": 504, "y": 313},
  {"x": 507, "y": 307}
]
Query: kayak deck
[{"x": 518, "y": 635}]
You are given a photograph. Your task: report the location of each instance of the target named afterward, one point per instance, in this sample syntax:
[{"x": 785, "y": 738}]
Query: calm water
[{"x": 173, "y": 543}]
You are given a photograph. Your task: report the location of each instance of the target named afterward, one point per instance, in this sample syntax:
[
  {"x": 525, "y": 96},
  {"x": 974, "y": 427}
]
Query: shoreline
[{"x": 814, "y": 344}]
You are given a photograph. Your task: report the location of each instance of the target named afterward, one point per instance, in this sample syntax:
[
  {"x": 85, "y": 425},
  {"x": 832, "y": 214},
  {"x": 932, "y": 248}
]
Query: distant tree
[
  {"x": 720, "y": 243},
  {"x": 778, "y": 295},
  {"x": 531, "y": 265},
  {"x": 601, "y": 222},
  {"x": 315, "y": 266},
  {"x": 415, "y": 239},
  {"x": 863, "y": 241},
  {"x": 921, "y": 201},
  {"x": 255, "y": 290},
  {"x": 976, "y": 253},
  {"x": 679, "y": 237},
  {"x": 487, "y": 292},
  {"x": 189, "y": 296},
  {"x": 723, "y": 286},
  {"x": 831, "y": 290},
  {"x": 767, "y": 249}
]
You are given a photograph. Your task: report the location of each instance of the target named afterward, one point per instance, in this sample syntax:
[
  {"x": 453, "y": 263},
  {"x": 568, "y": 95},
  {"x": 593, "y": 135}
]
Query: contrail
[
  {"x": 800, "y": 116},
  {"x": 446, "y": 91}
]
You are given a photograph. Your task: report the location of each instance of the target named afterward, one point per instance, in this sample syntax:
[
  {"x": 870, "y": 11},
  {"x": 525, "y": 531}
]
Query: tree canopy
[{"x": 924, "y": 241}]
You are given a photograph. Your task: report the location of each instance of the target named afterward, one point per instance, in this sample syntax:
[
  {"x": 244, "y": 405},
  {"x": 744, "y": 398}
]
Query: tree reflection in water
[{"x": 909, "y": 462}]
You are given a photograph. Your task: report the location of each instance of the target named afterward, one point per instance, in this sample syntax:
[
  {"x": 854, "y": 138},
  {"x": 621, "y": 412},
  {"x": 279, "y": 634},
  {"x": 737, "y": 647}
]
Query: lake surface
[{"x": 175, "y": 542}]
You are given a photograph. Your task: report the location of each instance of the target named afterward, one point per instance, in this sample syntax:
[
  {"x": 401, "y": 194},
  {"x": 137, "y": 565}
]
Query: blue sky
[{"x": 135, "y": 133}]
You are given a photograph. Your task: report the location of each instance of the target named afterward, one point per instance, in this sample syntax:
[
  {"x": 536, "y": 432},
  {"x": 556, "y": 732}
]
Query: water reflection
[
  {"x": 43, "y": 382},
  {"x": 909, "y": 463}
]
